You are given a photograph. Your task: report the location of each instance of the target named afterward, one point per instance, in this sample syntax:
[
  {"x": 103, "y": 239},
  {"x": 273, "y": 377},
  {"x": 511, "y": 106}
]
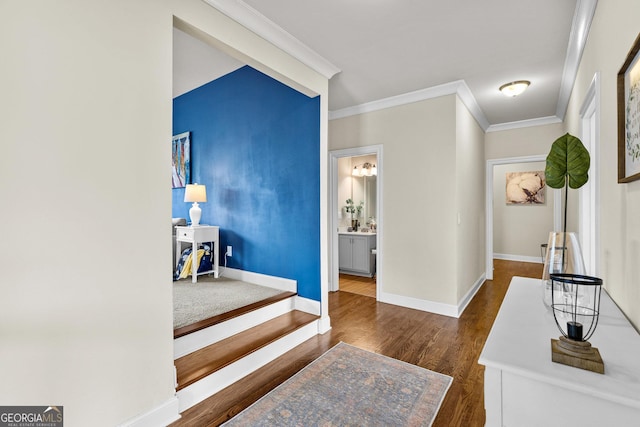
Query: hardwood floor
[
  {"x": 365, "y": 286},
  {"x": 443, "y": 344}
]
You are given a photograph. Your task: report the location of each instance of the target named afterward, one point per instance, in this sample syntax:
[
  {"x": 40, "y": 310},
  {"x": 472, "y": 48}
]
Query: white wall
[
  {"x": 469, "y": 200},
  {"x": 519, "y": 230},
  {"x": 530, "y": 141},
  {"x": 86, "y": 307},
  {"x": 419, "y": 142},
  {"x": 613, "y": 31}
]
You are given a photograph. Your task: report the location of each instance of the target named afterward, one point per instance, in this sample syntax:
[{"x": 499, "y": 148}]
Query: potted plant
[
  {"x": 573, "y": 296},
  {"x": 567, "y": 167},
  {"x": 354, "y": 210}
]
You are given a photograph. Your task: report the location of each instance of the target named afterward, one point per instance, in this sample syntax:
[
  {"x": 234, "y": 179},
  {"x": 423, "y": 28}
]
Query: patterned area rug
[{"x": 348, "y": 386}]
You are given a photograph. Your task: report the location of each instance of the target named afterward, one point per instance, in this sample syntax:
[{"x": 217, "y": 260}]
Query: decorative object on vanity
[
  {"x": 365, "y": 169},
  {"x": 181, "y": 160},
  {"x": 354, "y": 210},
  {"x": 195, "y": 193},
  {"x": 575, "y": 302},
  {"x": 567, "y": 167},
  {"x": 525, "y": 188},
  {"x": 629, "y": 116}
]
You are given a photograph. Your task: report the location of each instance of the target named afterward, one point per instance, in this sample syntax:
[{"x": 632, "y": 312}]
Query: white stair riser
[
  {"x": 204, "y": 337},
  {"x": 208, "y": 386}
]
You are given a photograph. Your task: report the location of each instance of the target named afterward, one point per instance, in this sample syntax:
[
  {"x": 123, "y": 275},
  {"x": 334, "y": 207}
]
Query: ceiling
[{"x": 383, "y": 48}]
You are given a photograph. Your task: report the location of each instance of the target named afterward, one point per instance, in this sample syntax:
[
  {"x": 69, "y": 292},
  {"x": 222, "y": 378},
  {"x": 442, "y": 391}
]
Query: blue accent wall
[{"x": 255, "y": 144}]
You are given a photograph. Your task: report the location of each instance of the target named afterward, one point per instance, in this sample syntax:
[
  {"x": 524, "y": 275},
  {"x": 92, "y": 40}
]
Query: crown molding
[
  {"x": 582, "y": 18},
  {"x": 458, "y": 87},
  {"x": 540, "y": 121},
  {"x": 253, "y": 20}
]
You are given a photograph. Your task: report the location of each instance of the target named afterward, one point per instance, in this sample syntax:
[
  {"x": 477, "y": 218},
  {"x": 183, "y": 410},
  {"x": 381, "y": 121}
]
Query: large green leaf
[{"x": 568, "y": 159}]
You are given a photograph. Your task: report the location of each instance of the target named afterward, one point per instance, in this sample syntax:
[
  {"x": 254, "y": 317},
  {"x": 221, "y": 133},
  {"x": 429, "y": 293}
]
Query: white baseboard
[
  {"x": 208, "y": 386},
  {"x": 307, "y": 305},
  {"x": 204, "y": 337},
  {"x": 521, "y": 258},
  {"x": 162, "y": 415},
  {"x": 324, "y": 325},
  {"x": 419, "y": 304},
  {"x": 287, "y": 285},
  {"x": 464, "y": 302},
  {"x": 432, "y": 306}
]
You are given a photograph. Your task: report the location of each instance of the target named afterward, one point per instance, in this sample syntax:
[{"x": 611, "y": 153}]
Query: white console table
[
  {"x": 196, "y": 235},
  {"x": 523, "y": 387}
]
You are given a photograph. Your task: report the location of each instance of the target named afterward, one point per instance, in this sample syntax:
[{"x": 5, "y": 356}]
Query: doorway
[
  {"x": 338, "y": 220},
  {"x": 489, "y": 200}
]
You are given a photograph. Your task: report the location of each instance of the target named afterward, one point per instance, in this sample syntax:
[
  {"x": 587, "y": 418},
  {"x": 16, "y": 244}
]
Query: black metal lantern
[{"x": 575, "y": 301}]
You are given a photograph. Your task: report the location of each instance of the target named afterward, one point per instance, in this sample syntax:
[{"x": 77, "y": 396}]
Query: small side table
[{"x": 196, "y": 235}]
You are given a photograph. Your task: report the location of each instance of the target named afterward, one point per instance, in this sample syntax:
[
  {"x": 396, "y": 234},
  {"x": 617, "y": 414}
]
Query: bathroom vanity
[{"x": 355, "y": 253}]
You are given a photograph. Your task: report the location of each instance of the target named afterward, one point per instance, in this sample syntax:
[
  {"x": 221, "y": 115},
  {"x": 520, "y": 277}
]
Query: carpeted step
[
  {"x": 208, "y": 360},
  {"x": 220, "y": 318}
]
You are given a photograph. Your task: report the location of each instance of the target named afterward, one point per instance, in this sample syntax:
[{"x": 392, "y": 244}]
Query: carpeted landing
[{"x": 209, "y": 297}]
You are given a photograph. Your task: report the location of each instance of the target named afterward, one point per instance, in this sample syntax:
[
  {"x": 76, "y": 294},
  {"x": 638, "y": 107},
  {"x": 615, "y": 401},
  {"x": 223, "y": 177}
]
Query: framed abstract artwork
[
  {"x": 629, "y": 116},
  {"x": 181, "y": 160},
  {"x": 525, "y": 188}
]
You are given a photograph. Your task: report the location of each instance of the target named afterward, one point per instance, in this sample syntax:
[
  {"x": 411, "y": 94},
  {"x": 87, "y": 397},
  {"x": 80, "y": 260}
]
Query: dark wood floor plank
[{"x": 443, "y": 344}]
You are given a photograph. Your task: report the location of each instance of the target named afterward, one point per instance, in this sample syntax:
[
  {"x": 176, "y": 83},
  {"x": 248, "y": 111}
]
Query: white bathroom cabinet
[{"x": 355, "y": 256}]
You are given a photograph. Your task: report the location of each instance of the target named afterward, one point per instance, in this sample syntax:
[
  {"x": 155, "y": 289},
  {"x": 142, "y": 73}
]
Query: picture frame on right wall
[{"x": 629, "y": 116}]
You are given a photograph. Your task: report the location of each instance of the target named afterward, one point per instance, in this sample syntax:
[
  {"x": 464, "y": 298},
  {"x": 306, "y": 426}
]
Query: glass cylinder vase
[{"x": 563, "y": 256}]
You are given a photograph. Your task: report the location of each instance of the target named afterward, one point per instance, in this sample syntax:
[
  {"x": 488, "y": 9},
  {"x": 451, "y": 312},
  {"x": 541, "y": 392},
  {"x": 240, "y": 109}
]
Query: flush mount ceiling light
[{"x": 514, "y": 88}]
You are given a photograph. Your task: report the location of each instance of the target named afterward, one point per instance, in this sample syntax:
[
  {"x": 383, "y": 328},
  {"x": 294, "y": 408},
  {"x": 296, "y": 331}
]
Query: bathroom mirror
[{"x": 358, "y": 187}]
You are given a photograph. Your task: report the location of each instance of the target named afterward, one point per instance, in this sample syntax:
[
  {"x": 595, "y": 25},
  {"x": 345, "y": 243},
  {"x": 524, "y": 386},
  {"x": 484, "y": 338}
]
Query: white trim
[
  {"x": 458, "y": 87},
  {"x": 488, "y": 203},
  {"x": 213, "y": 383},
  {"x": 540, "y": 121},
  {"x": 520, "y": 258},
  {"x": 307, "y": 305},
  {"x": 286, "y": 285},
  {"x": 334, "y": 208},
  {"x": 324, "y": 325},
  {"x": 420, "y": 304},
  {"x": 464, "y": 302},
  {"x": 162, "y": 415},
  {"x": 585, "y": 10},
  {"x": 273, "y": 33},
  {"x": 196, "y": 340},
  {"x": 589, "y": 219}
]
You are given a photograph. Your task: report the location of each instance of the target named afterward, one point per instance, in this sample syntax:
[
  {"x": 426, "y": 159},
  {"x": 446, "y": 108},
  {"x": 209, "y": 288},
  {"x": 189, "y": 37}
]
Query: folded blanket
[{"x": 186, "y": 268}]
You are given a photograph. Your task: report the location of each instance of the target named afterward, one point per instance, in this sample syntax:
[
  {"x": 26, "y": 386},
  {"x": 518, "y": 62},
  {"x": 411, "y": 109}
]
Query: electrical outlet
[{"x": 229, "y": 251}]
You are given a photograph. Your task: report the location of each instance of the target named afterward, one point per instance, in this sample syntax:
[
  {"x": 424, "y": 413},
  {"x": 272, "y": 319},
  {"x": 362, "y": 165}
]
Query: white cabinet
[
  {"x": 523, "y": 387},
  {"x": 354, "y": 253}
]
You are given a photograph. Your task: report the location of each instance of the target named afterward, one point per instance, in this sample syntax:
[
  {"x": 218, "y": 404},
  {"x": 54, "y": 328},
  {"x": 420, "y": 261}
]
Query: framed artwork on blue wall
[{"x": 181, "y": 160}]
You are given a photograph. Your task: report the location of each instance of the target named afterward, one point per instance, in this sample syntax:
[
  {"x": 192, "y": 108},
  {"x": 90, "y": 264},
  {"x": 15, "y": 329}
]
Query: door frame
[
  {"x": 588, "y": 218},
  {"x": 557, "y": 202},
  {"x": 334, "y": 208}
]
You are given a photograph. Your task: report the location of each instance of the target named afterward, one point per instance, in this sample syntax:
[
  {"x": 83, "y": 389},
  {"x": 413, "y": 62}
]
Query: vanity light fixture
[
  {"x": 514, "y": 88},
  {"x": 365, "y": 169}
]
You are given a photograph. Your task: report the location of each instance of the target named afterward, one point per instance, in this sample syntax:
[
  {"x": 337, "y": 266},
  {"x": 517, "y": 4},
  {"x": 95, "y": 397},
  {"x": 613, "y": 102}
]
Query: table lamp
[{"x": 197, "y": 194}]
